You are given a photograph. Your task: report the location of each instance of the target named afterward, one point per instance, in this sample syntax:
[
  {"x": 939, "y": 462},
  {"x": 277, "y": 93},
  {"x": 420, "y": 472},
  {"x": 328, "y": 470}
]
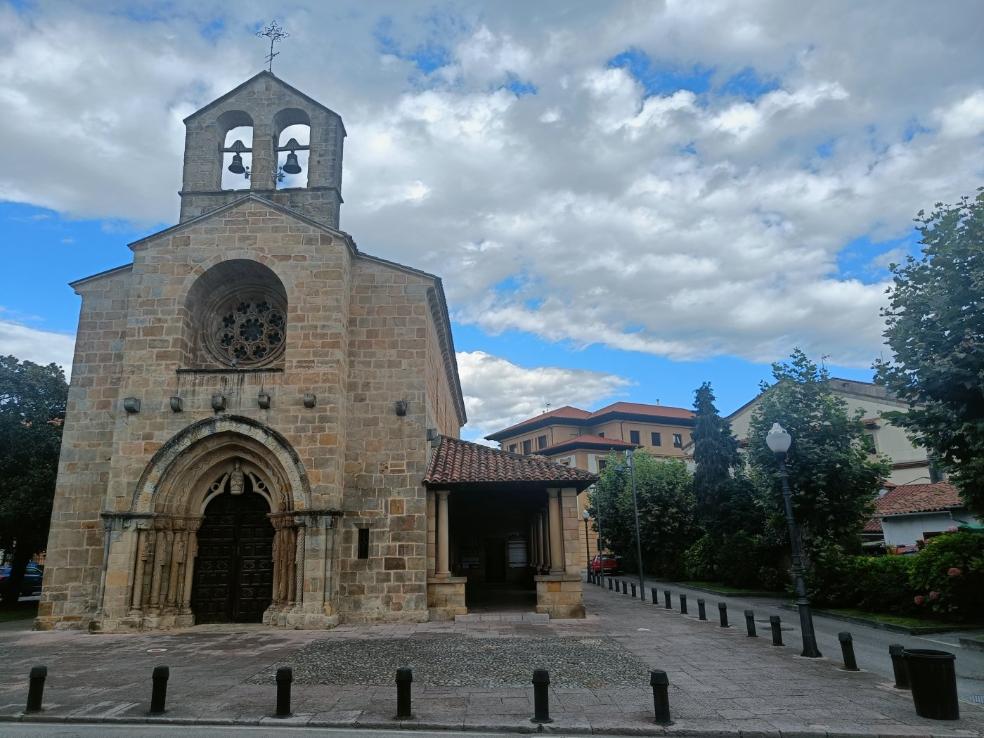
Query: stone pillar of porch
[
  {"x": 443, "y": 569},
  {"x": 557, "y": 565}
]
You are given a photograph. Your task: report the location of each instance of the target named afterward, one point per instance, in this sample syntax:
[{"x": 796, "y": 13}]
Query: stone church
[{"x": 263, "y": 421}]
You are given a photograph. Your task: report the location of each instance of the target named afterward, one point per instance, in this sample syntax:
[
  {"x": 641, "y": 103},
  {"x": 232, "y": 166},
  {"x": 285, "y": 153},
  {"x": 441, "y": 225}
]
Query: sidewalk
[{"x": 721, "y": 681}]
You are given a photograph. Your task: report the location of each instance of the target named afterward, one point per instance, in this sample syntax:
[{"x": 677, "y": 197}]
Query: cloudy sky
[{"x": 624, "y": 199}]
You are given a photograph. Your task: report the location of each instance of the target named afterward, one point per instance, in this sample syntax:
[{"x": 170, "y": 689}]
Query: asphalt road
[{"x": 870, "y": 644}]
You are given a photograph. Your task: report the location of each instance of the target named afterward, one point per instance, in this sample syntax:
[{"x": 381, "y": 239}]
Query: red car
[{"x": 606, "y": 564}]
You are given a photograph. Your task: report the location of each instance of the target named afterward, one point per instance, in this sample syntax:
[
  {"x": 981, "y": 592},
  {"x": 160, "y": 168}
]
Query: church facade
[{"x": 257, "y": 409}]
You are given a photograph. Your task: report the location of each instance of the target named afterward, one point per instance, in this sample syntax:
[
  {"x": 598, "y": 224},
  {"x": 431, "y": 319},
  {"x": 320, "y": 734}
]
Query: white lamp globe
[
  {"x": 778, "y": 439},
  {"x": 586, "y": 515}
]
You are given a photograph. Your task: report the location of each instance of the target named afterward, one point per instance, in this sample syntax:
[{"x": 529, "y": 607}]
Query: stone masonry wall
[
  {"x": 75, "y": 541},
  {"x": 386, "y": 454}
]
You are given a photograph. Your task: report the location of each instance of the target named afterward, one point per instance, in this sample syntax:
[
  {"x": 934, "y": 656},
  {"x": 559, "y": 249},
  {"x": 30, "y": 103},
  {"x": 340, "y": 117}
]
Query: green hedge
[{"x": 945, "y": 579}]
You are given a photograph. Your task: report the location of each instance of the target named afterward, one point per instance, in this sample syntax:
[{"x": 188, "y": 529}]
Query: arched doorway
[{"x": 233, "y": 580}]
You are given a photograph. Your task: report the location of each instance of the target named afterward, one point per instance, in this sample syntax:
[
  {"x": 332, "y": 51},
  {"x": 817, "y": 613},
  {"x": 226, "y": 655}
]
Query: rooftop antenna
[
  {"x": 275, "y": 33},
  {"x": 546, "y": 408}
]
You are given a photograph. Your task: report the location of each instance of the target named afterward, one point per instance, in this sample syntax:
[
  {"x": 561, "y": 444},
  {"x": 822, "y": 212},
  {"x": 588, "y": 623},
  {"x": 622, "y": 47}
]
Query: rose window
[{"x": 247, "y": 330}]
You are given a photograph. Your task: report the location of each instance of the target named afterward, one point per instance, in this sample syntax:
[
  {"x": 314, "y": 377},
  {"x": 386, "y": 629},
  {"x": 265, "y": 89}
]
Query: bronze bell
[
  {"x": 292, "y": 167},
  {"x": 237, "y": 165}
]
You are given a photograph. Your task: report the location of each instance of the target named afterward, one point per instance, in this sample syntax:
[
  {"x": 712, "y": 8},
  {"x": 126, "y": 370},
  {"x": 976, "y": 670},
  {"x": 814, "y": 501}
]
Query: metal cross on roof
[{"x": 274, "y": 33}]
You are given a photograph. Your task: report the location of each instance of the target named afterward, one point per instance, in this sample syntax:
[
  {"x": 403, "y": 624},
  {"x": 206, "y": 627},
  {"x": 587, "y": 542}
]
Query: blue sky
[{"x": 624, "y": 200}]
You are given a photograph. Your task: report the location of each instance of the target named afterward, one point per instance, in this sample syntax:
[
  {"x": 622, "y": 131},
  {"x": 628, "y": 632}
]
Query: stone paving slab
[{"x": 721, "y": 682}]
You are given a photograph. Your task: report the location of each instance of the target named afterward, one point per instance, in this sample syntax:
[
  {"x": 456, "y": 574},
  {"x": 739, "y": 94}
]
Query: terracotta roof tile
[
  {"x": 461, "y": 462},
  {"x": 916, "y": 498}
]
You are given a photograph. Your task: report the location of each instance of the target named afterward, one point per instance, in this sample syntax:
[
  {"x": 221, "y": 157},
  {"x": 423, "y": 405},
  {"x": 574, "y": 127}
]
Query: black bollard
[
  {"x": 285, "y": 675},
  {"x": 404, "y": 678},
  {"x": 776, "y": 624},
  {"x": 625, "y": 587},
  {"x": 35, "y": 690},
  {"x": 609, "y": 584},
  {"x": 683, "y": 604},
  {"x": 723, "y": 612},
  {"x": 654, "y": 594},
  {"x": 666, "y": 600},
  {"x": 633, "y": 590},
  {"x": 661, "y": 698},
  {"x": 701, "y": 610},
  {"x": 847, "y": 649},
  {"x": 158, "y": 695},
  {"x": 898, "y": 666},
  {"x": 541, "y": 697},
  {"x": 750, "y": 623}
]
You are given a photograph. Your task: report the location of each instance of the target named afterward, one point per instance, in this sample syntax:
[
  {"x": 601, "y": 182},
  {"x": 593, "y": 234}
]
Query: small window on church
[{"x": 363, "y": 552}]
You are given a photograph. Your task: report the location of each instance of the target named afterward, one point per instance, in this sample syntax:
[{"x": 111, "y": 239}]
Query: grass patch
[
  {"x": 899, "y": 620},
  {"x": 21, "y": 611},
  {"x": 725, "y": 589}
]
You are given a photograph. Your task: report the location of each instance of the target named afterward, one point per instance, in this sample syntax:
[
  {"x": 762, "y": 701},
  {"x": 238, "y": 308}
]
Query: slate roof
[
  {"x": 906, "y": 499},
  {"x": 458, "y": 463}
]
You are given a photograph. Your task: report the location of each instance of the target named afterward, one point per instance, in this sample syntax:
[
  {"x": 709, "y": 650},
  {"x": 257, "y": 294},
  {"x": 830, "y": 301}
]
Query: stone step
[{"x": 503, "y": 617}]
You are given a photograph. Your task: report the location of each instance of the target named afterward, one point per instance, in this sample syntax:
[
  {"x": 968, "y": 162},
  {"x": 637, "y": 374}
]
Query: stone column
[
  {"x": 177, "y": 557},
  {"x": 299, "y": 565},
  {"x": 556, "y": 532},
  {"x": 443, "y": 535},
  {"x": 136, "y": 601},
  {"x": 191, "y": 551},
  {"x": 542, "y": 542}
]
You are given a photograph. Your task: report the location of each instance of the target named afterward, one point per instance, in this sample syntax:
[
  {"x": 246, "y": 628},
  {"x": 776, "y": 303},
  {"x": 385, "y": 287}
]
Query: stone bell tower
[{"x": 306, "y": 177}]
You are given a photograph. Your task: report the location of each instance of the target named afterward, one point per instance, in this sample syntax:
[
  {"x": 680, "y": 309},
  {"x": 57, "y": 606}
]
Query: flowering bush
[{"x": 950, "y": 572}]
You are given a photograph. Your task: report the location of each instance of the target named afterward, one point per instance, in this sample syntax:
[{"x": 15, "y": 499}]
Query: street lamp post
[
  {"x": 635, "y": 507},
  {"x": 587, "y": 549},
  {"x": 778, "y": 441}
]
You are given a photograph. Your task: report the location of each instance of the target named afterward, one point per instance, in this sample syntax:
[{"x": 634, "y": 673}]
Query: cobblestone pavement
[{"x": 721, "y": 681}]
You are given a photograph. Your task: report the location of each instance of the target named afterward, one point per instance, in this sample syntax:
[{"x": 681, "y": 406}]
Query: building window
[
  {"x": 602, "y": 463},
  {"x": 363, "y": 543},
  {"x": 634, "y": 437},
  {"x": 656, "y": 438},
  {"x": 677, "y": 440},
  {"x": 541, "y": 442},
  {"x": 527, "y": 447},
  {"x": 512, "y": 448}
]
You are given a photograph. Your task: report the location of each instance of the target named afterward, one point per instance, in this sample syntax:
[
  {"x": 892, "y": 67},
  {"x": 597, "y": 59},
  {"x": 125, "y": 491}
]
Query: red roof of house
[
  {"x": 917, "y": 498},
  {"x": 590, "y": 441},
  {"x": 571, "y": 413},
  {"x": 583, "y": 417},
  {"x": 906, "y": 499},
  {"x": 638, "y": 408},
  {"x": 457, "y": 462}
]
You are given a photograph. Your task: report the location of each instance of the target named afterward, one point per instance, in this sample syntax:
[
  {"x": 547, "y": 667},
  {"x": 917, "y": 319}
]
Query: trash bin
[{"x": 933, "y": 680}]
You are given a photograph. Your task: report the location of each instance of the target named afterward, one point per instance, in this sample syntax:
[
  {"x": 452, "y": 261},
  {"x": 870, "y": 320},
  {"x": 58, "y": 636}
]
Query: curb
[
  {"x": 919, "y": 630},
  {"x": 719, "y": 593},
  {"x": 452, "y": 728},
  {"x": 972, "y": 643}
]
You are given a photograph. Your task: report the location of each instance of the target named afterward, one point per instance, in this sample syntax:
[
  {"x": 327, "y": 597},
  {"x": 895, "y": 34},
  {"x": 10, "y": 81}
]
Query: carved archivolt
[{"x": 173, "y": 481}]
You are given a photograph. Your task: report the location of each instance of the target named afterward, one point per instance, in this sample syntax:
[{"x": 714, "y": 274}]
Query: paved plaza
[{"x": 471, "y": 676}]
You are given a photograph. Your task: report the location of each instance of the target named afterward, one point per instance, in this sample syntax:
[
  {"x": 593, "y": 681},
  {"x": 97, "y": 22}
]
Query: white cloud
[
  {"x": 674, "y": 224},
  {"x": 499, "y": 393},
  {"x": 41, "y": 347}
]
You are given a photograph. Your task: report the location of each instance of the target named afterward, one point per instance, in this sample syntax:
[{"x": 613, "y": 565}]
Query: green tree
[
  {"x": 32, "y": 411},
  {"x": 664, "y": 489},
  {"x": 717, "y": 459},
  {"x": 935, "y": 329},
  {"x": 833, "y": 473}
]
